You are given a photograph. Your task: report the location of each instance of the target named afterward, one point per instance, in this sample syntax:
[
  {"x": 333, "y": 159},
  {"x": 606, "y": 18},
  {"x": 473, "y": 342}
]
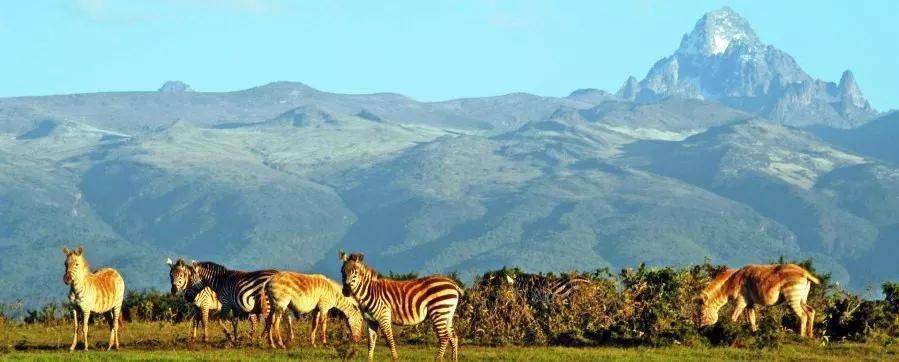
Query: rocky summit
[{"x": 723, "y": 60}]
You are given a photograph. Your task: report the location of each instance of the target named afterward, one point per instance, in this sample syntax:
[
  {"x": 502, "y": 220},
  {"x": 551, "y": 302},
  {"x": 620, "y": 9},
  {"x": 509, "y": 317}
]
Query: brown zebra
[
  {"x": 303, "y": 293},
  {"x": 385, "y": 302},
  {"x": 755, "y": 286},
  {"x": 98, "y": 292}
]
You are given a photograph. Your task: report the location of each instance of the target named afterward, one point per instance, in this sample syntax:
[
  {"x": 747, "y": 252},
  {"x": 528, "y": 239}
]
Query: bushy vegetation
[
  {"x": 640, "y": 306},
  {"x": 657, "y": 307}
]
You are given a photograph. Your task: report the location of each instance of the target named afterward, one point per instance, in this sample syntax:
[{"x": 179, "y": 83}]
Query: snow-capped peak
[{"x": 715, "y": 32}]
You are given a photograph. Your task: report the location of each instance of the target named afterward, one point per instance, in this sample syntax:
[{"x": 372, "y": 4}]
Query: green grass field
[{"x": 164, "y": 341}]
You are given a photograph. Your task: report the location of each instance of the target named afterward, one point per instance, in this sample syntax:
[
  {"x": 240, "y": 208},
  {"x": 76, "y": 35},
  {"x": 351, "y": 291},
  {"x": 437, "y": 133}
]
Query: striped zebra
[
  {"x": 385, "y": 302},
  {"x": 240, "y": 293},
  {"x": 755, "y": 286},
  {"x": 304, "y": 293},
  {"x": 203, "y": 298},
  {"x": 98, "y": 292},
  {"x": 534, "y": 288}
]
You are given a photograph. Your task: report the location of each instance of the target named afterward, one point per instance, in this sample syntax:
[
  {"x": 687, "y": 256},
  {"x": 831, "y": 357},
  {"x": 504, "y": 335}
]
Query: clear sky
[{"x": 428, "y": 50}]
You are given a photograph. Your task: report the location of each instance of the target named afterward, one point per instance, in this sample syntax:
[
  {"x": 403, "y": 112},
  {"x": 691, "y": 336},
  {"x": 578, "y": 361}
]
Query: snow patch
[{"x": 652, "y": 133}]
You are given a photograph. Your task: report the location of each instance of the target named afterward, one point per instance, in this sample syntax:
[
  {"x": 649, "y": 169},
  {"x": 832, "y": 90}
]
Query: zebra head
[
  {"x": 708, "y": 308},
  {"x": 179, "y": 275},
  {"x": 76, "y": 265},
  {"x": 499, "y": 277},
  {"x": 354, "y": 272},
  {"x": 713, "y": 297}
]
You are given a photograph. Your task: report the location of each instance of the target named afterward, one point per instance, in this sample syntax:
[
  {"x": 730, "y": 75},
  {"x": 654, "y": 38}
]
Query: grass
[{"x": 165, "y": 341}]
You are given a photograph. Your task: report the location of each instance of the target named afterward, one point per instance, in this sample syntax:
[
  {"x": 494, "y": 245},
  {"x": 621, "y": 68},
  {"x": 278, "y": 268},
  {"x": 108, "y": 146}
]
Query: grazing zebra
[
  {"x": 755, "y": 286},
  {"x": 202, "y": 297},
  {"x": 535, "y": 289},
  {"x": 241, "y": 293},
  {"x": 403, "y": 302},
  {"x": 98, "y": 292},
  {"x": 303, "y": 293}
]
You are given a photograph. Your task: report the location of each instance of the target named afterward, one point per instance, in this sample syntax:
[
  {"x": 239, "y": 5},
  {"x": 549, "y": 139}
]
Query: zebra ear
[
  {"x": 169, "y": 261},
  {"x": 360, "y": 256},
  {"x": 79, "y": 251},
  {"x": 65, "y": 250},
  {"x": 343, "y": 256}
]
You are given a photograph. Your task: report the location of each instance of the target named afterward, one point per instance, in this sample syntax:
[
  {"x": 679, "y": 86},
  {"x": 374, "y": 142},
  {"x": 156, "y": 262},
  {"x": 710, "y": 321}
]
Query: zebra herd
[{"x": 367, "y": 300}]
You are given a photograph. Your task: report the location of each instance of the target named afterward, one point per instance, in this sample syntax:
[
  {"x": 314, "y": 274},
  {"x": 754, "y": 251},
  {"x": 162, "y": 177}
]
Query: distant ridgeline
[{"x": 725, "y": 151}]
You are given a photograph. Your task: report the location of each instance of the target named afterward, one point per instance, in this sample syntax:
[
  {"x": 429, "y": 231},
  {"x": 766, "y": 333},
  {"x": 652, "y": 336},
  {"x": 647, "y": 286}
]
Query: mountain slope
[
  {"x": 787, "y": 175},
  {"x": 875, "y": 139}
]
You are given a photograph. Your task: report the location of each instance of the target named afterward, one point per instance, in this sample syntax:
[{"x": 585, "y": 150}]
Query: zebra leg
[
  {"x": 324, "y": 326},
  {"x": 253, "y": 320},
  {"x": 454, "y": 344},
  {"x": 752, "y": 319},
  {"x": 113, "y": 327},
  {"x": 204, "y": 319},
  {"x": 76, "y": 320},
  {"x": 387, "y": 328},
  {"x": 276, "y": 314},
  {"x": 86, "y": 315},
  {"x": 234, "y": 322},
  {"x": 194, "y": 321},
  {"x": 796, "y": 306},
  {"x": 810, "y": 329},
  {"x": 289, "y": 327},
  {"x": 738, "y": 309},
  {"x": 444, "y": 339},
  {"x": 315, "y": 322},
  {"x": 269, "y": 331},
  {"x": 443, "y": 328},
  {"x": 221, "y": 319},
  {"x": 372, "y": 339}
]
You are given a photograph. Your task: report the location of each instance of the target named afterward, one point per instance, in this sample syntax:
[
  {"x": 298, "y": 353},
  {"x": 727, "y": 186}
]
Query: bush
[{"x": 637, "y": 307}]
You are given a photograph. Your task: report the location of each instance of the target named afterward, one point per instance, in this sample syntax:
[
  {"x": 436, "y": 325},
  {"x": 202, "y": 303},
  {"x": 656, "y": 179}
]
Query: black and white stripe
[
  {"x": 241, "y": 293},
  {"x": 385, "y": 302},
  {"x": 537, "y": 290}
]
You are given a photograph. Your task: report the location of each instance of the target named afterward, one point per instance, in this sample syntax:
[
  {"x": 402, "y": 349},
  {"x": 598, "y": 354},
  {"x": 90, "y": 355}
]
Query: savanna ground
[
  {"x": 168, "y": 341},
  {"x": 638, "y": 314}
]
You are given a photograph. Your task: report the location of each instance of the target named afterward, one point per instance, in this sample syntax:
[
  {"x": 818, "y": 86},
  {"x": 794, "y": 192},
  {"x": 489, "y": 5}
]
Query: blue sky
[{"x": 428, "y": 50}]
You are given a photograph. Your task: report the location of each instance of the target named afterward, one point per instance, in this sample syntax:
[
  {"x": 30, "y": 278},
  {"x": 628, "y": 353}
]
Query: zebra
[
  {"x": 202, "y": 297},
  {"x": 99, "y": 292},
  {"x": 755, "y": 286},
  {"x": 303, "y": 293},
  {"x": 536, "y": 289},
  {"x": 241, "y": 293},
  {"x": 403, "y": 302}
]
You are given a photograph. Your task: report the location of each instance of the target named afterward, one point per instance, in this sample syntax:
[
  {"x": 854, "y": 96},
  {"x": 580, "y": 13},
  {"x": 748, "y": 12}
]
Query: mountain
[
  {"x": 174, "y": 86},
  {"x": 134, "y": 112},
  {"x": 727, "y": 151},
  {"x": 723, "y": 60}
]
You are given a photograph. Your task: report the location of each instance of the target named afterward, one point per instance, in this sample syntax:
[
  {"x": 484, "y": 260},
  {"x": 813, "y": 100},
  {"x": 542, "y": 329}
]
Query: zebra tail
[{"x": 812, "y": 278}]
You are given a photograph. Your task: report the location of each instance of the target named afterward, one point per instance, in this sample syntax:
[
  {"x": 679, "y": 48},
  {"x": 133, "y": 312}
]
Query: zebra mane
[
  {"x": 717, "y": 287},
  {"x": 211, "y": 267},
  {"x": 370, "y": 270}
]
